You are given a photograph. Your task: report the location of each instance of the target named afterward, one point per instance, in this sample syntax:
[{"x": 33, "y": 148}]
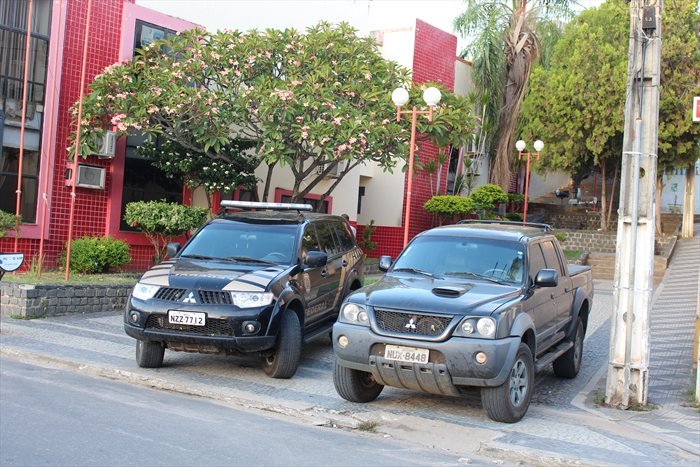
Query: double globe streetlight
[
  {"x": 431, "y": 96},
  {"x": 520, "y": 146}
]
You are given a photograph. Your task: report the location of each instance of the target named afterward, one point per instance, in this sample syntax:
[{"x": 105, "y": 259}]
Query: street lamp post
[
  {"x": 431, "y": 96},
  {"x": 520, "y": 145}
]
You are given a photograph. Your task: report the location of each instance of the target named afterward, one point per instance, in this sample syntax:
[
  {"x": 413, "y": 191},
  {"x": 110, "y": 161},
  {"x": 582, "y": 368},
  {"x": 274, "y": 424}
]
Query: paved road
[{"x": 54, "y": 417}]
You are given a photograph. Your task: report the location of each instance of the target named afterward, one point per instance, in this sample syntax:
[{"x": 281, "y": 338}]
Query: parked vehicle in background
[
  {"x": 481, "y": 303},
  {"x": 254, "y": 283}
]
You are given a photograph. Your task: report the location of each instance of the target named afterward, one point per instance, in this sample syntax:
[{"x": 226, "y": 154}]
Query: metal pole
[
  {"x": 50, "y": 143},
  {"x": 527, "y": 185},
  {"x": 411, "y": 151},
  {"x": 27, "y": 48},
  {"x": 74, "y": 173}
]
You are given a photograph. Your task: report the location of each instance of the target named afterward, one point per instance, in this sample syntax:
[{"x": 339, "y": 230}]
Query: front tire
[
  {"x": 354, "y": 385},
  {"x": 149, "y": 354},
  {"x": 509, "y": 402},
  {"x": 569, "y": 364},
  {"x": 284, "y": 361}
]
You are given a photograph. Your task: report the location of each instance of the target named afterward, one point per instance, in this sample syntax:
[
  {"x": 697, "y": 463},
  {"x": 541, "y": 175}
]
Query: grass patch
[
  {"x": 368, "y": 426},
  {"x": 572, "y": 255},
  {"x": 598, "y": 398},
  {"x": 58, "y": 278}
]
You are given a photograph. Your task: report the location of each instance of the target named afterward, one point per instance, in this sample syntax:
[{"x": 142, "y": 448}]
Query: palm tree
[{"x": 504, "y": 48}]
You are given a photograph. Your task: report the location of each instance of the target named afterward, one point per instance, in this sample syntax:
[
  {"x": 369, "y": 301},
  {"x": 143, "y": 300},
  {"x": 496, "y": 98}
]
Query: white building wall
[{"x": 673, "y": 193}]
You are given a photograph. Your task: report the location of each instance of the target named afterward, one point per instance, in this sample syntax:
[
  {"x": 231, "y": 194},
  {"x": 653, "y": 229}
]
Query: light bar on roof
[{"x": 228, "y": 204}]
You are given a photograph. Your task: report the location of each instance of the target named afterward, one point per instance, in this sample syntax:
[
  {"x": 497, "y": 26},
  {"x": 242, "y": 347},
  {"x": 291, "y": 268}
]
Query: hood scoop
[{"x": 450, "y": 290}]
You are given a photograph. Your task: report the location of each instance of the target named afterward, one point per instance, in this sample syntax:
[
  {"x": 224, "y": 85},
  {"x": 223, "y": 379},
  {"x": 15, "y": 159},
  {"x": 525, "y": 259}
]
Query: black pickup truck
[{"x": 477, "y": 304}]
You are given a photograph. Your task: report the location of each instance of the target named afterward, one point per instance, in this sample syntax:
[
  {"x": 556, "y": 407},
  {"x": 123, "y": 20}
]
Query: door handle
[
  {"x": 567, "y": 290},
  {"x": 324, "y": 273}
]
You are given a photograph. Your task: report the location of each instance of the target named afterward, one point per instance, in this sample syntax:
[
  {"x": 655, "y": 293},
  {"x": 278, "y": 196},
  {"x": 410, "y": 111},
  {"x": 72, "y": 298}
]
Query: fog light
[
  {"x": 480, "y": 358},
  {"x": 134, "y": 316},
  {"x": 251, "y": 327},
  {"x": 343, "y": 341}
]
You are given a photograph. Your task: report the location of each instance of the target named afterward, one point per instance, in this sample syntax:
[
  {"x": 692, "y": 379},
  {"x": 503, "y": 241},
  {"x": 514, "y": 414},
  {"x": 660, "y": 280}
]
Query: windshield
[
  {"x": 463, "y": 257},
  {"x": 241, "y": 242}
]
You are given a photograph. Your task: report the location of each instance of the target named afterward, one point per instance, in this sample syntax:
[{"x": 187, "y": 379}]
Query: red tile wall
[{"x": 433, "y": 60}]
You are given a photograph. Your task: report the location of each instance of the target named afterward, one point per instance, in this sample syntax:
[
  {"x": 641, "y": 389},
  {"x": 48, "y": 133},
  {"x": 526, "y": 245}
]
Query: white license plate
[
  {"x": 187, "y": 317},
  {"x": 406, "y": 354}
]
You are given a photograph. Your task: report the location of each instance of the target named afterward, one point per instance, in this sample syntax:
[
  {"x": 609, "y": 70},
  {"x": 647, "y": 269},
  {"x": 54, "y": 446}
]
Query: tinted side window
[
  {"x": 327, "y": 239},
  {"x": 344, "y": 236},
  {"x": 536, "y": 260},
  {"x": 309, "y": 241},
  {"x": 551, "y": 257}
]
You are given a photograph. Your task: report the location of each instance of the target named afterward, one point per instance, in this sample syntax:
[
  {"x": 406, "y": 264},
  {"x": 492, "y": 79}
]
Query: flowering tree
[{"x": 307, "y": 101}]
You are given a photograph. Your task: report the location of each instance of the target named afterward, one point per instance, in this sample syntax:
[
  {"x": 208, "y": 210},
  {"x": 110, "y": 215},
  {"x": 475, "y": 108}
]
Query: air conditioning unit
[
  {"x": 337, "y": 170},
  {"x": 106, "y": 144},
  {"x": 89, "y": 176}
]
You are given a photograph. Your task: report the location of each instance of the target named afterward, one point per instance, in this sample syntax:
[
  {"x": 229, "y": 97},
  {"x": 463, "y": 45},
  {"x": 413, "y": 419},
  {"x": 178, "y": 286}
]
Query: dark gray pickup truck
[{"x": 483, "y": 304}]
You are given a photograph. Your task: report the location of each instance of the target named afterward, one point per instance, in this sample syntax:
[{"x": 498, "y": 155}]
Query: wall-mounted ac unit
[
  {"x": 106, "y": 144},
  {"x": 89, "y": 176},
  {"x": 337, "y": 170}
]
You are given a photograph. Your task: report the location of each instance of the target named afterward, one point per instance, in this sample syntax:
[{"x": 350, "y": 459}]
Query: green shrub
[
  {"x": 515, "y": 198},
  {"x": 449, "y": 205},
  {"x": 561, "y": 236},
  {"x": 487, "y": 196},
  {"x": 160, "y": 221},
  {"x": 366, "y": 243},
  {"x": 514, "y": 216},
  {"x": 7, "y": 222},
  {"x": 94, "y": 255}
]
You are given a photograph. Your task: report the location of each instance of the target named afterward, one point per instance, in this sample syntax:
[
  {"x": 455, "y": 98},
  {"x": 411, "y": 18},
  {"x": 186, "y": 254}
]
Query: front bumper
[
  {"x": 451, "y": 363},
  {"x": 223, "y": 332}
]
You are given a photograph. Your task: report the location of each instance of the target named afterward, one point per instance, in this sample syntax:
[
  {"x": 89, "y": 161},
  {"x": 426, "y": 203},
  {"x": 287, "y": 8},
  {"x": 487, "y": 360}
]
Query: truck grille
[
  {"x": 411, "y": 323},
  {"x": 213, "y": 327},
  {"x": 215, "y": 297},
  {"x": 170, "y": 294}
]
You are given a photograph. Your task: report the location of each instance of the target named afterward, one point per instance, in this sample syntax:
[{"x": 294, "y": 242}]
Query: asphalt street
[{"x": 55, "y": 417}]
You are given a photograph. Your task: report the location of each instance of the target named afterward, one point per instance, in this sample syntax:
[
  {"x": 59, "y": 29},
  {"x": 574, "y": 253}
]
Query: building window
[
  {"x": 143, "y": 181},
  {"x": 13, "y": 36}
]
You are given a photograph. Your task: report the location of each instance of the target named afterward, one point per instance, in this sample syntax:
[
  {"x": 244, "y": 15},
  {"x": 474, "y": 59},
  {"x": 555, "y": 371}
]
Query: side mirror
[
  {"x": 172, "y": 249},
  {"x": 315, "y": 259},
  {"x": 547, "y": 278},
  {"x": 384, "y": 263}
]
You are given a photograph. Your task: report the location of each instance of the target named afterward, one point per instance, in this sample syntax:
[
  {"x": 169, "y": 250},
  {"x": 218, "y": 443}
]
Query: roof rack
[
  {"x": 545, "y": 227},
  {"x": 249, "y": 205}
]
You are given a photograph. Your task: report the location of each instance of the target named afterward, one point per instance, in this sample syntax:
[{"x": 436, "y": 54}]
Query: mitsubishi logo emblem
[
  {"x": 411, "y": 324},
  {"x": 189, "y": 299}
]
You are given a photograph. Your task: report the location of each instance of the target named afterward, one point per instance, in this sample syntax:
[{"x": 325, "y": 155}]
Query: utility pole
[{"x": 634, "y": 262}]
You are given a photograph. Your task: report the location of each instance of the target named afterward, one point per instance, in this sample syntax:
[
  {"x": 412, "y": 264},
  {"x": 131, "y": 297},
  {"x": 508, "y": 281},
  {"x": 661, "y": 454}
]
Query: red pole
[
  {"x": 49, "y": 142},
  {"x": 24, "y": 118},
  {"x": 527, "y": 186},
  {"x": 411, "y": 151},
  {"x": 74, "y": 173}
]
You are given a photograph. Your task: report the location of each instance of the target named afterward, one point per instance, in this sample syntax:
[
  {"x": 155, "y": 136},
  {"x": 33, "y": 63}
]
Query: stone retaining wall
[
  {"x": 605, "y": 242},
  {"x": 36, "y": 300}
]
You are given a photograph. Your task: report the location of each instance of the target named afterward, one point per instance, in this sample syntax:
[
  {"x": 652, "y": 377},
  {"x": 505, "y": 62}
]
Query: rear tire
[
  {"x": 354, "y": 385},
  {"x": 284, "y": 361},
  {"x": 569, "y": 364},
  {"x": 509, "y": 402},
  {"x": 149, "y": 354}
]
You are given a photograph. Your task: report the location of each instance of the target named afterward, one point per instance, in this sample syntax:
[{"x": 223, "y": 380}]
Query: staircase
[{"x": 603, "y": 266}]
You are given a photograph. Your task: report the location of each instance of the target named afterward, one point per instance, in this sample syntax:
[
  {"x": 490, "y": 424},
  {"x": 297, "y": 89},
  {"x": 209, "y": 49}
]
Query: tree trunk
[
  {"x": 612, "y": 194},
  {"x": 688, "y": 203},
  {"x": 603, "y": 198},
  {"x": 659, "y": 189},
  {"x": 268, "y": 181}
]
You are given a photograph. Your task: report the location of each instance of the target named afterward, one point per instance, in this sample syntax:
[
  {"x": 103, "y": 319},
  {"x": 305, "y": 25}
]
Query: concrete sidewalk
[{"x": 563, "y": 426}]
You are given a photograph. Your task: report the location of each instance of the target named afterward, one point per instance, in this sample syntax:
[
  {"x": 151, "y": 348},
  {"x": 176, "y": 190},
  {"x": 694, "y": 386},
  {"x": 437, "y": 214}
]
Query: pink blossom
[
  {"x": 330, "y": 45},
  {"x": 336, "y": 121},
  {"x": 298, "y": 118}
]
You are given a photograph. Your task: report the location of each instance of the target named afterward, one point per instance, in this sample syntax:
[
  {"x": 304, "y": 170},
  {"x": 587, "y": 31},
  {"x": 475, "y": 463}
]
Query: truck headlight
[
  {"x": 476, "y": 327},
  {"x": 486, "y": 327},
  {"x": 144, "y": 291},
  {"x": 355, "y": 314},
  {"x": 251, "y": 299}
]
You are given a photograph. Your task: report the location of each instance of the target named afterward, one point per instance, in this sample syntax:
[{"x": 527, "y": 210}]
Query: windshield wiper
[
  {"x": 417, "y": 271},
  {"x": 247, "y": 259},
  {"x": 478, "y": 276},
  {"x": 197, "y": 256}
]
